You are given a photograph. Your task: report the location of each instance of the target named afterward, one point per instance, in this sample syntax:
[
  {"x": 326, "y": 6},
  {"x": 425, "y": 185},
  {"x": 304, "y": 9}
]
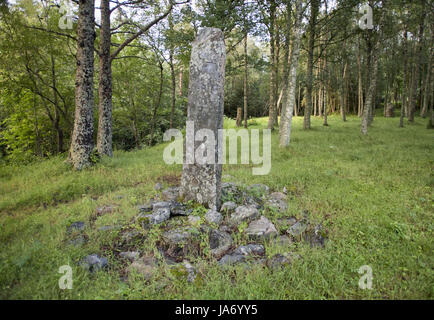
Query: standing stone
[{"x": 200, "y": 181}]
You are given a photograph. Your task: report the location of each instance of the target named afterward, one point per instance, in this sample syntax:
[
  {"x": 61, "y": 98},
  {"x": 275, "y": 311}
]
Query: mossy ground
[{"x": 373, "y": 194}]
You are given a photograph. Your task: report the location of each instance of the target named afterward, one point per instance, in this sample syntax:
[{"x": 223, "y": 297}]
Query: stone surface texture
[{"x": 202, "y": 182}]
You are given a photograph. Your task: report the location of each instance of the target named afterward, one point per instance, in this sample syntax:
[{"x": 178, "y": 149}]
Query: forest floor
[{"x": 373, "y": 194}]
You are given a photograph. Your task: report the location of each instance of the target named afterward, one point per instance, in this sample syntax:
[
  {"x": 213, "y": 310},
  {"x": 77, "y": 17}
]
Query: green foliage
[{"x": 18, "y": 138}]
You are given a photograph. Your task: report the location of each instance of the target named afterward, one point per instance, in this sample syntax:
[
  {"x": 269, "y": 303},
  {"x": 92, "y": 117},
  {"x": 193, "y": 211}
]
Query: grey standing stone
[{"x": 202, "y": 182}]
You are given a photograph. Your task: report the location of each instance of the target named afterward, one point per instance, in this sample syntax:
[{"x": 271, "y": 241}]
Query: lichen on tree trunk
[
  {"x": 82, "y": 136},
  {"x": 104, "y": 139}
]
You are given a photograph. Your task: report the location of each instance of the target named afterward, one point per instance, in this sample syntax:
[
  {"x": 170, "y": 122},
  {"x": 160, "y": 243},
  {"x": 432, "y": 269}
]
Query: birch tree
[
  {"x": 288, "y": 108},
  {"x": 314, "y": 7},
  {"x": 373, "y": 72}
]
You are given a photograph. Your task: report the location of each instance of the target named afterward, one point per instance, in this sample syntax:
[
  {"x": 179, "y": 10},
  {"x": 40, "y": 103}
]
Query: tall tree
[
  {"x": 245, "y": 85},
  {"x": 104, "y": 139},
  {"x": 314, "y": 8},
  {"x": 373, "y": 61},
  {"x": 172, "y": 70},
  {"x": 273, "y": 65},
  {"x": 428, "y": 77},
  {"x": 289, "y": 101},
  {"x": 417, "y": 66},
  {"x": 404, "y": 75},
  {"x": 82, "y": 136}
]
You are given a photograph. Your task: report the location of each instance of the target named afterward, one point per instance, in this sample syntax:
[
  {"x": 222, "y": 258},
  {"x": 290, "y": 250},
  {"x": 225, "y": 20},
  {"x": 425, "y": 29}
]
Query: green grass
[{"x": 373, "y": 194}]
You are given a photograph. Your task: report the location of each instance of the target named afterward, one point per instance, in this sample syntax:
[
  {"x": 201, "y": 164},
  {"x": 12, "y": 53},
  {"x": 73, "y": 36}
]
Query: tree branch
[{"x": 142, "y": 30}]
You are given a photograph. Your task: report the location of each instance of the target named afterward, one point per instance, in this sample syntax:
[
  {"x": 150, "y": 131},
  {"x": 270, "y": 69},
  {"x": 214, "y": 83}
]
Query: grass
[{"x": 373, "y": 194}]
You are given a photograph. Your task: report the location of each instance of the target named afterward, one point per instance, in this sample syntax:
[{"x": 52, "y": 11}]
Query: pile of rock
[{"x": 246, "y": 212}]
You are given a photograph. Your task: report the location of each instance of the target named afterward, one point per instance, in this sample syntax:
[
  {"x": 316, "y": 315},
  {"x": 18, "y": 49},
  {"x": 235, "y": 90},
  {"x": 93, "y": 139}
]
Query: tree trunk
[
  {"x": 173, "y": 76},
  {"x": 181, "y": 73},
  {"x": 404, "y": 81},
  {"x": 431, "y": 119},
  {"x": 82, "y": 136},
  {"x": 342, "y": 95},
  {"x": 314, "y": 102},
  {"x": 279, "y": 101},
  {"x": 273, "y": 68},
  {"x": 239, "y": 117},
  {"x": 104, "y": 138},
  {"x": 276, "y": 63},
  {"x": 327, "y": 73},
  {"x": 38, "y": 150},
  {"x": 56, "y": 123},
  {"x": 288, "y": 109},
  {"x": 245, "y": 79},
  {"x": 172, "y": 73},
  {"x": 417, "y": 67},
  {"x": 314, "y": 7},
  {"x": 428, "y": 79},
  {"x": 325, "y": 109},
  {"x": 156, "y": 106},
  {"x": 373, "y": 74}
]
